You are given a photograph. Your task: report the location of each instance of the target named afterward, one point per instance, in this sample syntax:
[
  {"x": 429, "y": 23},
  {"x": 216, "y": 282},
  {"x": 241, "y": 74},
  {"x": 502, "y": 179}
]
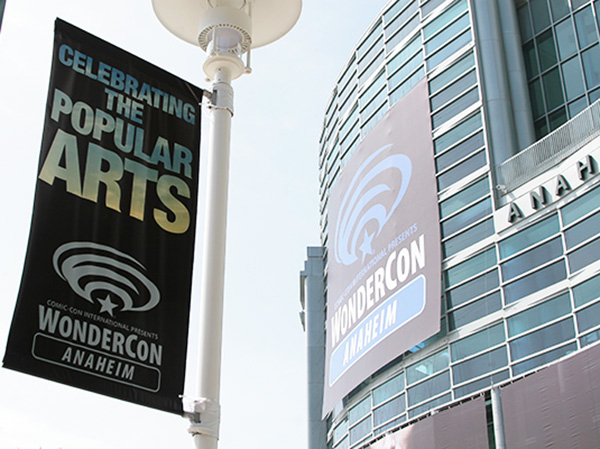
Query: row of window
[
  {"x": 516, "y": 345},
  {"x": 562, "y": 58}
]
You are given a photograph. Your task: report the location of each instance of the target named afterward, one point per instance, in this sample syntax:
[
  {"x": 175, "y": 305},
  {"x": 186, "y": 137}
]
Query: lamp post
[{"x": 226, "y": 30}]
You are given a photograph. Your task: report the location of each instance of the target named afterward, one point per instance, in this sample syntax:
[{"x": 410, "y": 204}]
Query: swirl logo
[
  {"x": 99, "y": 273},
  {"x": 369, "y": 203}
]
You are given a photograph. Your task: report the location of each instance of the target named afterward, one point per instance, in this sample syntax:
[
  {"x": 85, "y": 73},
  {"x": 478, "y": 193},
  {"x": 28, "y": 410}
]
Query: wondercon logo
[
  {"x": 371, "y": 198},
  {"x": 102, "y": 274}
]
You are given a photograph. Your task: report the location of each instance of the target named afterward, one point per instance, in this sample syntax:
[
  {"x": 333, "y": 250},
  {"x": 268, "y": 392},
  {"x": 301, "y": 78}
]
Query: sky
[{"x": 273, "y": 217}]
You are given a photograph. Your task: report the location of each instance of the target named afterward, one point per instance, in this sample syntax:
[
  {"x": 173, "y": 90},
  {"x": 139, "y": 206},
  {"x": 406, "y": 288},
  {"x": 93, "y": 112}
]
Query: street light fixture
[{"x": 226, "y": 30}]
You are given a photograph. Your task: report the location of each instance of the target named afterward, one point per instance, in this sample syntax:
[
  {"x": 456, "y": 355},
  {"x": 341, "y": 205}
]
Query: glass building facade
[{"x": 520, "y": 251}]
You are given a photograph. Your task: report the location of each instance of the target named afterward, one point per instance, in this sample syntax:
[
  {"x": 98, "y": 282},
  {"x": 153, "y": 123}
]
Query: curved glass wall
[{"x": 511, "y": 302}]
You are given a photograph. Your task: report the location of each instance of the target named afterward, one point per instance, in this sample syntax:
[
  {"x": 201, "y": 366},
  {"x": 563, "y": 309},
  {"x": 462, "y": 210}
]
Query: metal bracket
[{"x": 204, "y": 416}]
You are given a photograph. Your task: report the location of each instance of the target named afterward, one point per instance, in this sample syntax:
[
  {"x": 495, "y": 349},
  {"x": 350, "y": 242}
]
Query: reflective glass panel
[
  {"x": 389, "y": 410},
  {"x": 539, "y": 14},
  {"x": 462, "y": 170},
  {"x": 565, "y": 37},
  {"x": 482, "y": 364},
  {"x": 525, "y": 23},
  {"x": 586, "y": 28},
  {"x": 541, "y": 339},
  {"x": 447, "y": 34},
  {"x": 478, "y": 342},
  {"x": 538, "y": 315},
  {"x": 429, "y": 388},
  {"x": 445, "y": 18},
  {"x": 557, "y": 118},
  {"x": 474, "y": 311},
  {"x": 481, "y": 384},
  {"x": 361, "y": 430},
  {"x": 407, "y": 85},
  {"x": 546, "y": 50},
  {"x": 451, "y": 73},
  {"x": 457, "y": 133},
  {"x": 468, "y": 238},
  {"x": 469, "y": 268},
  {"x": 584, "y": 256},
  {"x": 535, "y": 281},
  {"x": 454, "y": 108},
  {"x": 460, "y": 151},
  {"x": 588, "y": 317},
  {"x": 444, "y": 53},
  {"x": 452, "y": 91},
  {"x": 573, "y": 77},
  {"x": 475, "y": 287},
  {"x": 543, "y": 359},
  {"x": 537, "y": 98},
  {"x": 430, "y": 6},
  {"x": 583, "y": 230},
  {"x": 430, "y": 405},
  {"x": 359, "y": 410},
  {"x": 529, "y": 236},
  {"x": 427, "y": 367},
  {"x": 591, "y": 66},
  {"x": 577, "y": 106},
  {"x": 530, "y": 59},
  {"x": 464, "y": 197},
  {"x": 553, "y": 89},
  {"x": 587, "y": 291},
  {"x": 389, "y": 389},
  {"x": 581, "y": 206},
  {"x": 559, "y": 8},
  {"x": 405, "y": 54},
  {"x": 532, "y": 258},
  {"x": 467, "y": 217}
]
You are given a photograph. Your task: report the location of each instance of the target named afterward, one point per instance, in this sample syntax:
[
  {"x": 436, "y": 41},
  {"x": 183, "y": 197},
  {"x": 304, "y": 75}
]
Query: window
[
  {"x": 462, "y": 170},
  {"x": 464, "y": 197},
  {"x": 536, "y": 316},
  {"x": 389, "y": 389},
  {"x": 475, "y": 265},
  {"x": 541, "y": 339},
  {"x": 588, "y": 318},
  {"x": 474, "y": 311},
  {"x": 427, "y": 367},
  {"x": 452, "y": 73},
  {"x": 584, "y": 256},
  {"x": 591, "y": 66},
  {"x": 532, "y": 259},
  {"x": 586, "y": 28},
  {"x": 480, "y": 365},
  {"x": 472, "y": 289},
  {"x": 482, "y": 340},
  {"x": 529, "y": 236},
  {"x": 580, "y": 207},
  {"x": 565, "y": 38},
  {"x": 572, "y": 75},
  {"x": 587, "y": 291},
  {"x": 429, "y": 388},
  {"x": 389, "y": 410},
  {"x": 543, "y": 359},
  {"x": 460, "y": 151},
  {"x": 535, "y": 282}
]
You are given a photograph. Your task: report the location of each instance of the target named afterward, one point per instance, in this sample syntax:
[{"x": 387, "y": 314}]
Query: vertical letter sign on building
[
  {"x": 384, "y": 263},
  {"x": 105, "y": 294}
]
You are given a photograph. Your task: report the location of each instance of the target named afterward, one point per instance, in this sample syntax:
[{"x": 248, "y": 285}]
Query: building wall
[{"x": 516, "y": 295}]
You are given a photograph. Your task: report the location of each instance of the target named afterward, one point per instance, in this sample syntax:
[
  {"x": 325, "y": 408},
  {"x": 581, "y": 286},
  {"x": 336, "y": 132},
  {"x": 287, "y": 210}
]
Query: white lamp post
[{"x": 226, "y": 30}]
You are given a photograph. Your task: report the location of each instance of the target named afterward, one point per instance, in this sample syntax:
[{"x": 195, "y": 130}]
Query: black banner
[{"x": 105, "y": 294}]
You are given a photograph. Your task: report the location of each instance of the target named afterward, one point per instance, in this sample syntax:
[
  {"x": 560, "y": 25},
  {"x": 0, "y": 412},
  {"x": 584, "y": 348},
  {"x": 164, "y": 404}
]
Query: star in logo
[
  {"x": 107, "y": 305},
  {"x": 366, "y": 245}
]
